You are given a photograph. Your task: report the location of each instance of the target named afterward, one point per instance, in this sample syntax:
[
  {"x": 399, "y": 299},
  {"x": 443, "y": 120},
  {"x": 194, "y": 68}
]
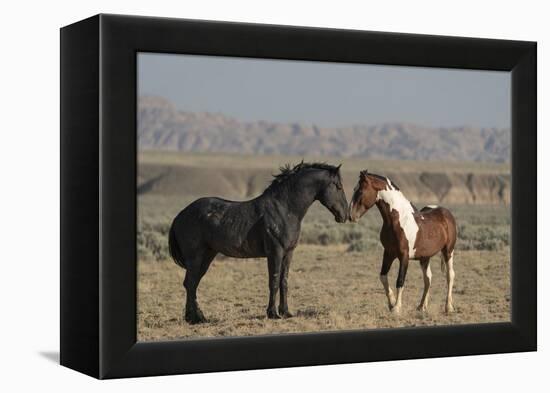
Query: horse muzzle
[
  {"x": 352, "y": 215},
  {"x": 340, "y": 219}
]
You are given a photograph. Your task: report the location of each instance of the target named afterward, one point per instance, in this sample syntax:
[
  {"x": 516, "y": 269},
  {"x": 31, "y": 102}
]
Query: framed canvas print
[{"x": 239, "y": 196}]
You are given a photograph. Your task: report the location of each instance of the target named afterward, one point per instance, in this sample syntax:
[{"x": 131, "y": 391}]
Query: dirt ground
[{"x": 329, "y": 289}]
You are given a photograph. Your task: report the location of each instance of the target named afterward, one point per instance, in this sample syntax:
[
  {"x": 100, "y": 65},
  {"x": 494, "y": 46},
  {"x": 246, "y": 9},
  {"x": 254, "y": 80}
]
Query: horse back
[
  {"x": 229, "y": 227},
  {"x": 437, "y": 229}
]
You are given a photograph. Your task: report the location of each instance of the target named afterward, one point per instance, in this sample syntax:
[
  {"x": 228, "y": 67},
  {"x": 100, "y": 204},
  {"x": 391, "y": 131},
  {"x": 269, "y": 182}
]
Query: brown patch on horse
[{"x": 436, "y": 231}]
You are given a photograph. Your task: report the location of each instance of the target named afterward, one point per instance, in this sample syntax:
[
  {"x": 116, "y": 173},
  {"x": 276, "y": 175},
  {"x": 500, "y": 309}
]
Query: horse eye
[{"x": 338, "y": 186}]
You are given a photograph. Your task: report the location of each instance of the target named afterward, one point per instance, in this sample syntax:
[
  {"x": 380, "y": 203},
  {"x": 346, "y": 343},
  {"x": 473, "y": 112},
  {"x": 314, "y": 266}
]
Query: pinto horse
[
  {"x": 407, "y": 234},
  {"x": 267, "y": 226}
]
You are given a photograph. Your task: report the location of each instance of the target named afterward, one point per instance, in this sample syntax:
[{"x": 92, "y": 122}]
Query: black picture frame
[{"x": 98, "y": 196}]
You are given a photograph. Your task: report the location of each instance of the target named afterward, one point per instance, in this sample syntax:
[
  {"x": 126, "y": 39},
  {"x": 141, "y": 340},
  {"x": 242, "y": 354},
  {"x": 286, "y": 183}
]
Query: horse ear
[
  {"x": 363, "y": 175},
  {"x": 334, "y": 170}
]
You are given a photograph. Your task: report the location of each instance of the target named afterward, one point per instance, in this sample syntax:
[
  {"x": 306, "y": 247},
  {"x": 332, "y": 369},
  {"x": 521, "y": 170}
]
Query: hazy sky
[{"x": 327, "y": 94}]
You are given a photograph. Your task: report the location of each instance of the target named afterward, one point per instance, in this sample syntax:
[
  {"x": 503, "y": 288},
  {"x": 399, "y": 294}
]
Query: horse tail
[
  {"x": 452, "y": 233},
  {"x": 174, "y": 248}
]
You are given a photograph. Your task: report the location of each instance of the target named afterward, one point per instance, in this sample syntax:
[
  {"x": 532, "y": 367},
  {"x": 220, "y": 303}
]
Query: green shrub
[
  {"x": 365, "y": 245},
  {"x": 483, "y": 237},
  {"x": 152, "y": 241},
  {"x": 479, "y": 228}
]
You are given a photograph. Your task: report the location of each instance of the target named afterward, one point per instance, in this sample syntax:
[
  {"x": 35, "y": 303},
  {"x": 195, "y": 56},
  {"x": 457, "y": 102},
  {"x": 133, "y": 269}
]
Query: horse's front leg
[
  {"x": 403, "y": 266},
  {"x": 386, "y": 265},
  {"x": 274, "y": 263},
  {"x": 283, "y": 287}
]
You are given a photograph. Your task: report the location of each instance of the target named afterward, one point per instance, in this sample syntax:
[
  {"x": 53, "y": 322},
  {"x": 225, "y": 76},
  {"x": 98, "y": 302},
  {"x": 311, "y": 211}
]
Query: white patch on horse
[
  {"x": 397, "y": 201},
  {"x": 432, "y": 206}
]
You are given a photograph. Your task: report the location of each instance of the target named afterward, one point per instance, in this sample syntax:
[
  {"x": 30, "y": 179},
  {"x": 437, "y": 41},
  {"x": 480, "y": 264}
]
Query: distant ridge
[{"x": 161, "y": 126}]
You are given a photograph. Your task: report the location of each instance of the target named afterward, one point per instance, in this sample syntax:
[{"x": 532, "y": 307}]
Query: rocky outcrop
[{"x": 238, "y": 183}]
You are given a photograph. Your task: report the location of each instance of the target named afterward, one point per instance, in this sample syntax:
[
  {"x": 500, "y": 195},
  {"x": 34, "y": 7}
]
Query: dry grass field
[
  {"x": 329, "y": 289},
  {"x": 333, "y": 281}
]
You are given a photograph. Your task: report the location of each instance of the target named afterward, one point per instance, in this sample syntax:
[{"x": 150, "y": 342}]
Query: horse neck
[
  {"x": 393, "y": 200},
  {"x": 296, "y": 199},
  {"x": 384, "y": 210}
]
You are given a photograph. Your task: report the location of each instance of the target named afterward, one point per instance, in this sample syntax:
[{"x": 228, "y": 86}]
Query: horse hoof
[
  {"x": 449, "y": 308},
  {"x": 422, "y": 307},
  {"x": 395, "y": 310},
  {"x": 200, "y": 315},
  {"x": 285, "y": 314},
  {"x": 273, "y": 315},
  {"x": 195, "y": 318}
]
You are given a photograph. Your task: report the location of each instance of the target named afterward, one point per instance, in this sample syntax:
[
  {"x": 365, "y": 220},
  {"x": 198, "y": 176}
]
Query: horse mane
[
  {"x": 287, "y": 172},
  {"x": 383, "y": 178},
  {"x": 386, "y": 179}
]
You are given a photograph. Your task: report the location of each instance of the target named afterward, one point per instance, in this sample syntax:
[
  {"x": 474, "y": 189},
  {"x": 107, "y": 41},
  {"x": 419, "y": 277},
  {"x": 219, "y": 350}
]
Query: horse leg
[
  {"x": 403, "y": 266},
  {"x": 195, "y": 271},
  {"x": 283, "y": 286},
  {"x": 427, "y": 273},
  {"x": 274, "y": 262},
  {"x": 387, "y": 261},
  {"x": 190, "y": 283},
  {"x": 450, "y": 280}
]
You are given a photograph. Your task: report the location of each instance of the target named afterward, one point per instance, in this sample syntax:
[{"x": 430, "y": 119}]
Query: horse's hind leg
[
  {"x": 427, "y": 274},
  {"x": 195, "y": 271},
  {"x": 448, "y": 257}
]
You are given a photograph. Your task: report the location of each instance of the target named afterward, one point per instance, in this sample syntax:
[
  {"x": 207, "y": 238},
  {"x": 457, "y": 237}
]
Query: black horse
[{"x": 267, "y": 226}]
